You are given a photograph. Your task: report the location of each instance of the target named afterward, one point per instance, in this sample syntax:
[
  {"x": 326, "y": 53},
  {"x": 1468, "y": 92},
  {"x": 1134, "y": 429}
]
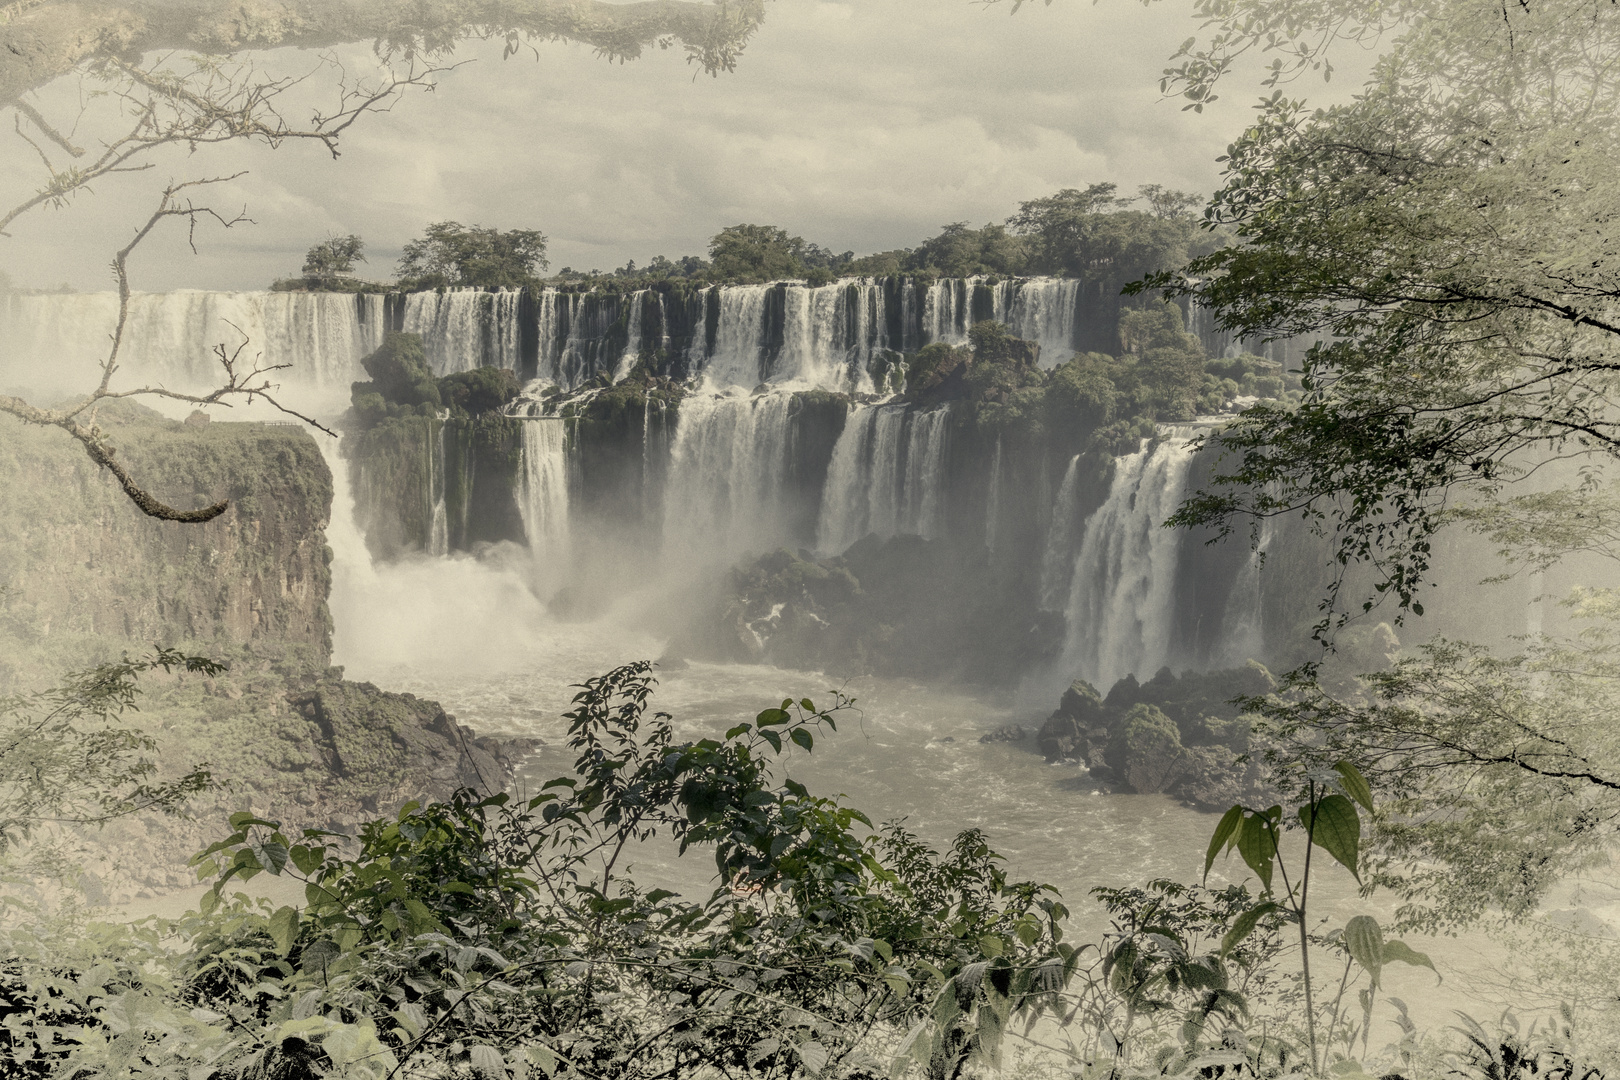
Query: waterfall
[
  {"x": 1121, "y": 610},
  {"x": 170, "y": 337},
  {"x": 728, "y": 466},
  {"x": 439, "y": 532},
  {"x": 738, "y": 357},
  {"x": 1045, "y": 310},
  {"x": 1057, "y": 561},
  {"x": 1242, "y": 625},
  {"x": 632, "y": 343},
  {"x": 887, "y": 476},
  {"x": 465, "y": 328},
  {"x": 544, "y": 496}
]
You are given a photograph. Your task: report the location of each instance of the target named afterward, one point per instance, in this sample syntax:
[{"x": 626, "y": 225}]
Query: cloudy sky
[{"x": 860, "y": 125}]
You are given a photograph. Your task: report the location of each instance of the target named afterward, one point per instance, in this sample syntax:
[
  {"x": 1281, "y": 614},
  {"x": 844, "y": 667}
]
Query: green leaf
[
  {"x": 543, "y": 1057},
  {"x": 1336, "y": 828},
  {"x": 1245, "y": 924},
  {"x": 803, "y": 738},
  {"x": 774, "y": 739},
  {"x": 740, "y": 729},
  {"x": 1365, "y": 940},
  {"x": 1258, "y": 847},
  {"x": 991, "y": 945},
  {"x": 1223, "y": 834},
  {"x": 1402, "y": 953},
  {"x": 284, "y": 928},
  {"x": 488, "y": 1062},
  {"x": 771, "y": 717},
  {"x": 1355, "y": 785}
]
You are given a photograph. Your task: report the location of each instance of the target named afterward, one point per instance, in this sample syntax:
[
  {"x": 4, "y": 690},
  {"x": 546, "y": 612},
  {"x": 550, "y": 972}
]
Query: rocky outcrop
[
  {"x": 310, "y": 753},
  {"x": 1181, "y": 736},
  {"x": 84, "y": 574},
  {"x": 398, "y": 746}
]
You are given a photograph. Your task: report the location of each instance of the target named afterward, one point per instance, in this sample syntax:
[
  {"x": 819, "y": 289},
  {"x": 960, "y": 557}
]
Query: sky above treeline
[{"x": 862, "y": 126}]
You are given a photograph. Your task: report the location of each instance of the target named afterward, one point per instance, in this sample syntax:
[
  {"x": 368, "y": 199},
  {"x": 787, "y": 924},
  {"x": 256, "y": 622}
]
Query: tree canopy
[
  {"x": 1450, "y": 240},
  {"x": 450, "y": 253}
]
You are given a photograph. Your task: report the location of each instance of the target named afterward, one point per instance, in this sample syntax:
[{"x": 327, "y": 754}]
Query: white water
[
  {"x": 887, "y": 476},
  {"x": 464, "y": 329},
  {"x": 829, "y": 334},
  {"x": 728, "y": 465},
  {"x": 1121, "y": 602},
  {"x": 439, "y": 534},
  {"x": 1242, "y": 625},
  {"x": 56, "y": 342},
  {"x": 1057, "y": 561},
  {"x": 544, "y": 496}
]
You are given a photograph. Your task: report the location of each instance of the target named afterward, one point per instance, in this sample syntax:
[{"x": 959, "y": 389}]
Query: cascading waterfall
[
  {"x": 1121, "y": 610},
  {"x": 1242, "y": 625},
  {"x": 728, "y": 465},
  {"x": 439, "y": 531},
  {"x": 170, "y": 337},
  {"x": 544, "y": 499},
  {"x": 738, "y": 357},
  {"x": 1057, "y": 561},
  {"x": 788, "y": 332},
  {"x": 886, "y": 476},
  {"x": 464, "y": 328},
  {"x": 632, "y": 344}
]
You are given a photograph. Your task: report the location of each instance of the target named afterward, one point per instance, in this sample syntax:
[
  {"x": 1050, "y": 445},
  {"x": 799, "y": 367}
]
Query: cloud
[{"x": 859, "y": 126}]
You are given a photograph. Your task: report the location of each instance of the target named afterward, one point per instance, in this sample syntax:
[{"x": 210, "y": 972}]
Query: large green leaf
[
  {"x": 1365, "y": 940},
  {"x": 1401, "y": 952},
  {"x": 1335, "y": 827},
  {"x": 1355, "y": 785},
  {"x": 1258, "y": 847},
  {"x": 284, "y": 928},
  {"x": 1223, "y": 835}
]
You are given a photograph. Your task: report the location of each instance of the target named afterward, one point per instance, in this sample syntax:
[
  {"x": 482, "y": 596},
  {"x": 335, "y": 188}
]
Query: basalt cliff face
[
  {"x": 83, "y": 573},
  {"x": 85, "y": 577}
]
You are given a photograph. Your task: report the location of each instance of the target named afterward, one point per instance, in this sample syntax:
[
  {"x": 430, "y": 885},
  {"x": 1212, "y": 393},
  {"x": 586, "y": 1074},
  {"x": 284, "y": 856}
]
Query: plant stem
[{"x": 1304, "y": 937}]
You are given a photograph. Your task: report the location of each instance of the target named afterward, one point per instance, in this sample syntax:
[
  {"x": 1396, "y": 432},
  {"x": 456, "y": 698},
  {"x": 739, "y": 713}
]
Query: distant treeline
[{"x": 1095, "y": 234}]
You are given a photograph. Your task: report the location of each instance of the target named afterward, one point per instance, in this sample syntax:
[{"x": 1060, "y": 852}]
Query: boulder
[{"x": 1144, "y": 750}]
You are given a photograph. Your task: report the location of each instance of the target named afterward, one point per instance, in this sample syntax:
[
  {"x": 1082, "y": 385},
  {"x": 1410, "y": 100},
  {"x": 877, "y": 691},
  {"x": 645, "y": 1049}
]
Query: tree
[
  {"x": 334, "y": 256},
  {"x": 171, "y": 73},
  {"x": 1449, "y": 239},
  {"x": 756, "y": 253},
  {"x": 449, "y": 253}
]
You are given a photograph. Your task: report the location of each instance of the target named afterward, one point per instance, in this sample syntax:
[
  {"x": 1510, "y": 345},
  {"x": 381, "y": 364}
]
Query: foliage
[
  {"x": 63, "y": 761},
  {"x": 481, "y": 390},
  {"x": 490, "y": 934},
  {"x": 401, "y": 382},
  {"x": 449, "y": 253},
  {"x": 755, "y": 253},
  {"x": 1445, "y": 238},
  {"x": 334, "y": 256},
  {"x": 1500, "y": 770},
  {"x": 1327, "y": 812}
]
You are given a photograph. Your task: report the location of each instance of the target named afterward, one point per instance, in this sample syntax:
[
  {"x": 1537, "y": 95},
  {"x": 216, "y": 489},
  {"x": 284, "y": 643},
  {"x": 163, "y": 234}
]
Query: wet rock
[
  {"x": 1005, "y": 733},
  {"x": 1144, "y": 750}
]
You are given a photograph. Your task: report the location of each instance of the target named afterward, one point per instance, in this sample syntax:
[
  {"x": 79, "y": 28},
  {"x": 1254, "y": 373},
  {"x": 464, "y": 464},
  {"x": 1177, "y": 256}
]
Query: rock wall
[{"x": 83, "y": 574}]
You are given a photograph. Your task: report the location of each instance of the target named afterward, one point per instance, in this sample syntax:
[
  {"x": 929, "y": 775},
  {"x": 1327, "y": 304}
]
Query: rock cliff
[{"x": 84, "y": 574}]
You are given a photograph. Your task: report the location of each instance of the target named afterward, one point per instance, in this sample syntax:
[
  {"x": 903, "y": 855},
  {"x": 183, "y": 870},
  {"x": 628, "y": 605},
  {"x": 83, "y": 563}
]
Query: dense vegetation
[
  {"x": 1096, "y": 235},
  {"x": 493, "y": 937}
]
